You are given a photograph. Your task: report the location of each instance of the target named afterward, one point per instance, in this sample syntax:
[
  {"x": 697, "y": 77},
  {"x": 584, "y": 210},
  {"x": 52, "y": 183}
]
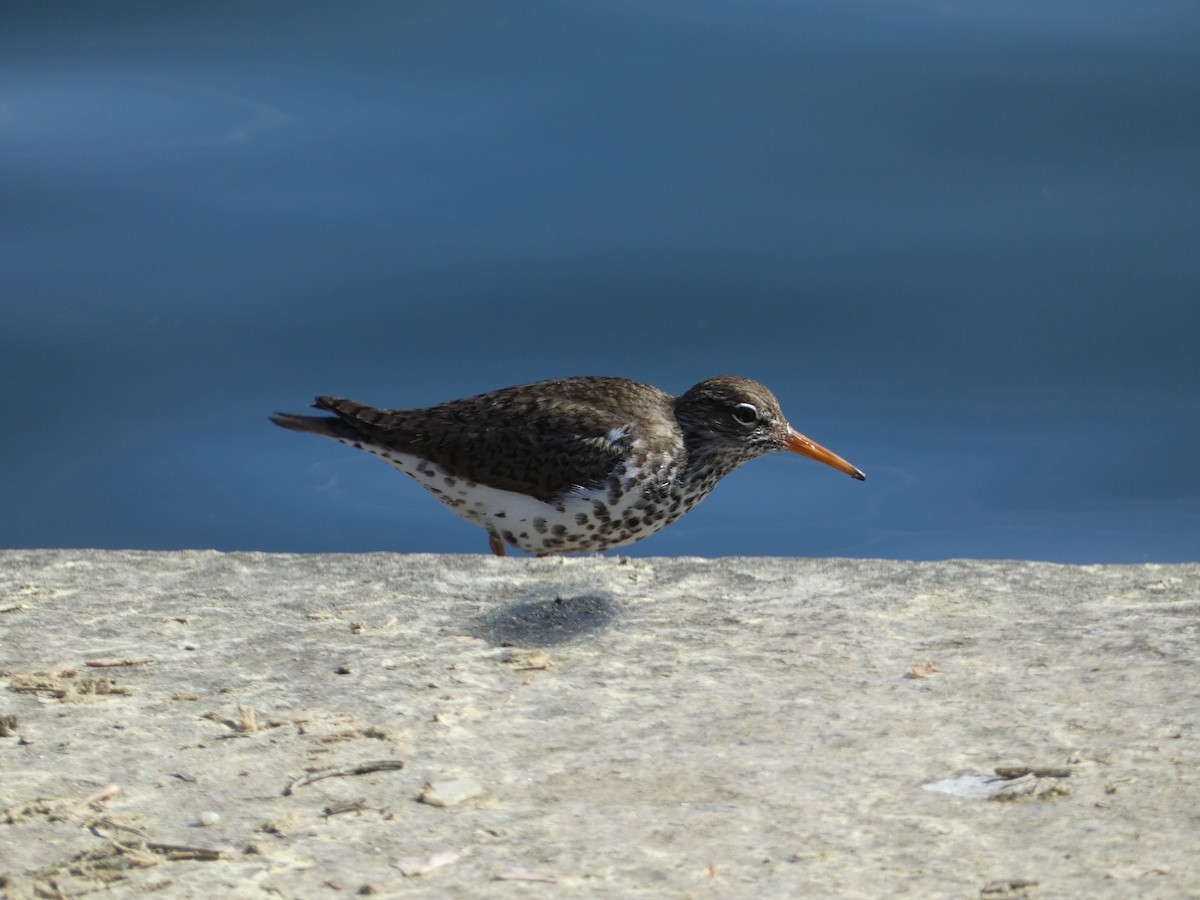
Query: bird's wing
[{"x": 544, "y": 451}]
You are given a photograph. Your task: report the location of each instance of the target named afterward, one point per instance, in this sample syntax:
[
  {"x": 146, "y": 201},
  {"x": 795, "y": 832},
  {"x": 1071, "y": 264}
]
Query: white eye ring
[{"x": 746, "y": 414}]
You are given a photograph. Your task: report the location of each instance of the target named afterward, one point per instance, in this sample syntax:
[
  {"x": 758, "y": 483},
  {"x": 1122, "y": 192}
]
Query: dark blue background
[{"x": 960, "y": 242}]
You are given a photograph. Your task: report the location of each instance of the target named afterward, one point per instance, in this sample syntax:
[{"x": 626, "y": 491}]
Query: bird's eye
[{"x": 746, "y": 414}]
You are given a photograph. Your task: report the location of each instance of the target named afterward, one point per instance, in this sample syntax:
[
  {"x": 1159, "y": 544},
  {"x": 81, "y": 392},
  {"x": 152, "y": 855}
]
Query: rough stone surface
[{"x": 643, "y": 728}]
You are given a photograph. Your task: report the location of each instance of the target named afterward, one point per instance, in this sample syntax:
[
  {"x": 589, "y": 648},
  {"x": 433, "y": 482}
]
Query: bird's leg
[{"x": 495, "y": 544}]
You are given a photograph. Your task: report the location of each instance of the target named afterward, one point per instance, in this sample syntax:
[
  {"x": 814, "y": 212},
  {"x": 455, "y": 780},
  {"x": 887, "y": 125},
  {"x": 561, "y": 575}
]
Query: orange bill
[{"x": 798, "y": 443}]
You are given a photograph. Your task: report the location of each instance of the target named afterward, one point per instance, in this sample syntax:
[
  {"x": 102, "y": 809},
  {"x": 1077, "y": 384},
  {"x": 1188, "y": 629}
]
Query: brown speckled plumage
[{"x": 574, "y": 464}]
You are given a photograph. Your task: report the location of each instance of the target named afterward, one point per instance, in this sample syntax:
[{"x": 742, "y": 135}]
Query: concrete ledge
[{"x": 661, "y": 728}]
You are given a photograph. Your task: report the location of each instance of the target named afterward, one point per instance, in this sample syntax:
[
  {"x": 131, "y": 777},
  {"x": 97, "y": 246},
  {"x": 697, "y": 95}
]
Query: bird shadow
[{"x": 549, "y": 614}]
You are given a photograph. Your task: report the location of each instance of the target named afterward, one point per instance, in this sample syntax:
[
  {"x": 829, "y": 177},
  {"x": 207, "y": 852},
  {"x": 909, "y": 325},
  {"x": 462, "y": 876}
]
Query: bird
[{"x": 581, "y": 464}]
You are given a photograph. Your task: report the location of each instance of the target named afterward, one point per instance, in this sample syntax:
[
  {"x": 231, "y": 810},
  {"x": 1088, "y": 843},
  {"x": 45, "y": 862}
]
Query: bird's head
[{"x": 740, "y": 419}]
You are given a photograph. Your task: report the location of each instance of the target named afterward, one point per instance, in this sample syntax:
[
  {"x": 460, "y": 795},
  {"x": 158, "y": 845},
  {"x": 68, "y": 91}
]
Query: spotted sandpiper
[{"x": 572, "y": 465}]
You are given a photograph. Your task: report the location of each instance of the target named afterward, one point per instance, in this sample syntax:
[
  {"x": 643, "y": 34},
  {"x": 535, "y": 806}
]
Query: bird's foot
[{"x": 496, "y": 544}]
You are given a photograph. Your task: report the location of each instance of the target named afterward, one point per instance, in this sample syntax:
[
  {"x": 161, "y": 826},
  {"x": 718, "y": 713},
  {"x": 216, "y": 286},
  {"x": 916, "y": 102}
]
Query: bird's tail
[
  {"x": 326, "y": 426},
  {"x": 355, "y": 421}
]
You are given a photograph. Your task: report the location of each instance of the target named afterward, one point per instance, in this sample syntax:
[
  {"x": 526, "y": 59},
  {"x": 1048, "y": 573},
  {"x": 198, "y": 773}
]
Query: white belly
[{"x": 582, "y": 521}]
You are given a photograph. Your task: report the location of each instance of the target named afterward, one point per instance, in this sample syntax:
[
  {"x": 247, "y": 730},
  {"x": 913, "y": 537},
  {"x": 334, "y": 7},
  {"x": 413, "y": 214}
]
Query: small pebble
[
  {"x": 209, "y": 817},
  {"x": 451, "y": 791}
]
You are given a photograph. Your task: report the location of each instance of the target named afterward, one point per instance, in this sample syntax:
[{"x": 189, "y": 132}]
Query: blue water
[{"x": 958, "y": 240}]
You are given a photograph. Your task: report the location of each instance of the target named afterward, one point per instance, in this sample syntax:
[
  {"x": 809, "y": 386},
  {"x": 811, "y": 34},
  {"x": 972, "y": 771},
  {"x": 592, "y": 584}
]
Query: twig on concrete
[
  {"x": 112, "y": 662},
  {"x": 362, "y": 768}
]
